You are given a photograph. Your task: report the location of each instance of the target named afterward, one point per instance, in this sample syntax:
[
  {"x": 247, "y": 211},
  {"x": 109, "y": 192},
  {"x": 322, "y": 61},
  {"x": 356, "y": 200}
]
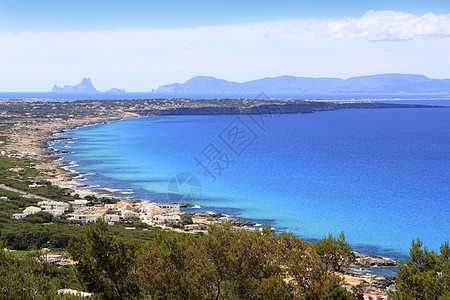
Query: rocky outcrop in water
[{"x": 85, "y": 86}]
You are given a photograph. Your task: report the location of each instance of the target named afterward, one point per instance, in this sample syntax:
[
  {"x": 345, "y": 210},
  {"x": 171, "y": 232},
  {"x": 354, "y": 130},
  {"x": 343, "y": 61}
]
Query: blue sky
[
  {"x": 139, "y": 45},
  {"x": 34, "y": 15}
]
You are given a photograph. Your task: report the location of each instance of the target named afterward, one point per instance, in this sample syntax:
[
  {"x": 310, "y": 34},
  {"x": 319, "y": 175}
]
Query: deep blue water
[
  {"x": 380, "y": 175},
  {"x": 36, "y": 96}
]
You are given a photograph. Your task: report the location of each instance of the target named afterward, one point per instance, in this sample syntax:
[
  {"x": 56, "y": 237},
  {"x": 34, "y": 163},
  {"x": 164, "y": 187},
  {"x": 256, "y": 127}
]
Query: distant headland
[
  {"x": 393, "y": 83},
  {"x": 85, "y": 86},
  {"x": 381, "y": 83}
]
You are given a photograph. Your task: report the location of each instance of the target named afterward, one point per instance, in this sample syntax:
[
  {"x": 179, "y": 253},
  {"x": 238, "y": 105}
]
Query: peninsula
[{"x": 31, "y": 132}]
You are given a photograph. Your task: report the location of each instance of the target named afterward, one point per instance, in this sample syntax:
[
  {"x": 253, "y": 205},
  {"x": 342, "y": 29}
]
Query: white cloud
[
  {"x": 139, "y": 59},
  {"x": 391, "y": 26}
]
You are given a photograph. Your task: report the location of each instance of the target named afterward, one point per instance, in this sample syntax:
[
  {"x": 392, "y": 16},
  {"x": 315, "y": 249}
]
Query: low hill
[{"x": 382, "y": 83}]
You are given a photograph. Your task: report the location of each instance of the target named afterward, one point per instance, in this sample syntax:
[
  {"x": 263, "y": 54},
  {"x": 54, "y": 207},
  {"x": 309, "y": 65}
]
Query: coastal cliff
[{"x": 213, "y": 107}]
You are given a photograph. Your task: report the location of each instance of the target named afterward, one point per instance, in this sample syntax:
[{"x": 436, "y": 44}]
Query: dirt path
[{"x": 25, "y": 194}]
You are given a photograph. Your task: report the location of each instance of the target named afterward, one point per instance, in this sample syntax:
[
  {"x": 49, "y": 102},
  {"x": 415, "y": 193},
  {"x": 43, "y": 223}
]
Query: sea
[
  {"x": 51, "y": 96},
  {"x": 382, "y": 176}
]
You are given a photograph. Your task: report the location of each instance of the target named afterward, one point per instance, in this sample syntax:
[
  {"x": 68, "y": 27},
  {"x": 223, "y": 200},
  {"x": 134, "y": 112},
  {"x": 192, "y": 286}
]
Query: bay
[{"x": 380, "y": 175}]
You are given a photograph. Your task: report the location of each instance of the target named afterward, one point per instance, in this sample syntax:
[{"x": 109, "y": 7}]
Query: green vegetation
[
  {"x": 14, "y": 204},
  {"x": 21, "y": 235},
  {"x": 31, "y": 277},
  {"x": 104, "y": 200},
  {"x": 225, "y": 264},
  {"x": 21, "y": 174},
  {"x": 41, "y": 230},
  {"x": 425, "y": 276},
  {"x": 335, "y": 253},
  {"x": 24, "y": 170},
  {"x": 106, "y": 264},
  {"x": 25, "y": 235}
]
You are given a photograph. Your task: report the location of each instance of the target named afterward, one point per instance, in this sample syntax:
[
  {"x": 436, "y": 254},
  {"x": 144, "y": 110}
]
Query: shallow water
[{"x": 381, "y": 175}]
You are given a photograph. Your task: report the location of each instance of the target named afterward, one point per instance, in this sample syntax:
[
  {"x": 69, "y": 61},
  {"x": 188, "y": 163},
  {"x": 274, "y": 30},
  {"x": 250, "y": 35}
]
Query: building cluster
[
  {"x": 150, "y": 213},
  {"x": 55, "y": 208},
  {"x": 85, "y": 212},
  {"x": 56, "y": 259},
  {"x": 23, "y": 154},
  {"x": 153, "y": 213},
  {"x": 26, "y": 212}
]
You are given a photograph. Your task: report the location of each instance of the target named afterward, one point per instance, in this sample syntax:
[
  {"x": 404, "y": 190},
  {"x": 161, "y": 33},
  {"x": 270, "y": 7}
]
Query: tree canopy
[
  {"x": 224, "y": 264},
  {"x": 425, "y": 276}
]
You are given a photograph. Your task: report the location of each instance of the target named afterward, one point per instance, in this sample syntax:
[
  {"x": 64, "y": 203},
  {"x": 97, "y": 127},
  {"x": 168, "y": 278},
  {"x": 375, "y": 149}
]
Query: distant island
[
  {"x": 85, "y": 86},
  {"x": 382, "y": 83},
  {"x": 115, "y": 90}
]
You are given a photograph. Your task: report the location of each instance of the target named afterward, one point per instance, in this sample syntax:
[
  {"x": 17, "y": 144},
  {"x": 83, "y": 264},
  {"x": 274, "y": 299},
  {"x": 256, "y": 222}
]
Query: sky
[{"x": 140, "y": 45}]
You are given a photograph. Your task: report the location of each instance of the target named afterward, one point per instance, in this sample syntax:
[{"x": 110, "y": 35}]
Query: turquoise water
[{"x": 381, "y": 175}]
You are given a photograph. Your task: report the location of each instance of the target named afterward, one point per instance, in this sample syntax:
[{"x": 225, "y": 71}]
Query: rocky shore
[
  {"x": 374, "y": 283},
  {"x": 367, "y": 260}
]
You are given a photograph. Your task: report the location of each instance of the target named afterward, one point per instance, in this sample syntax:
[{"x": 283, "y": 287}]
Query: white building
[
  {"x": 49, "y": 205},
  {"x": 25, "y": 154},
  {"x": 161, "y": 219},
  {"x": 111, "y": 219},
  {"x": 79, "y": 210},
  {"x": 129, "y": 214},
  {"x": 85, "y": 218},
  {"x": 171, "y": 208},
  {"x": 145, "y": 217},
  {"x": 19, "y": 215},
  {"x": 26, "y": 212},
  {"x": 56, "y": 212},
  {"x": 148, "y": 210},
  {"x": 93, "y": 218},
  {"x": 192, "y": 227},
  {"x": 82, "y": 202},
  {"x": 74, "y": 292},
  {"x": 111, "y": 206},
  {"x": 124, "y": 205}
]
